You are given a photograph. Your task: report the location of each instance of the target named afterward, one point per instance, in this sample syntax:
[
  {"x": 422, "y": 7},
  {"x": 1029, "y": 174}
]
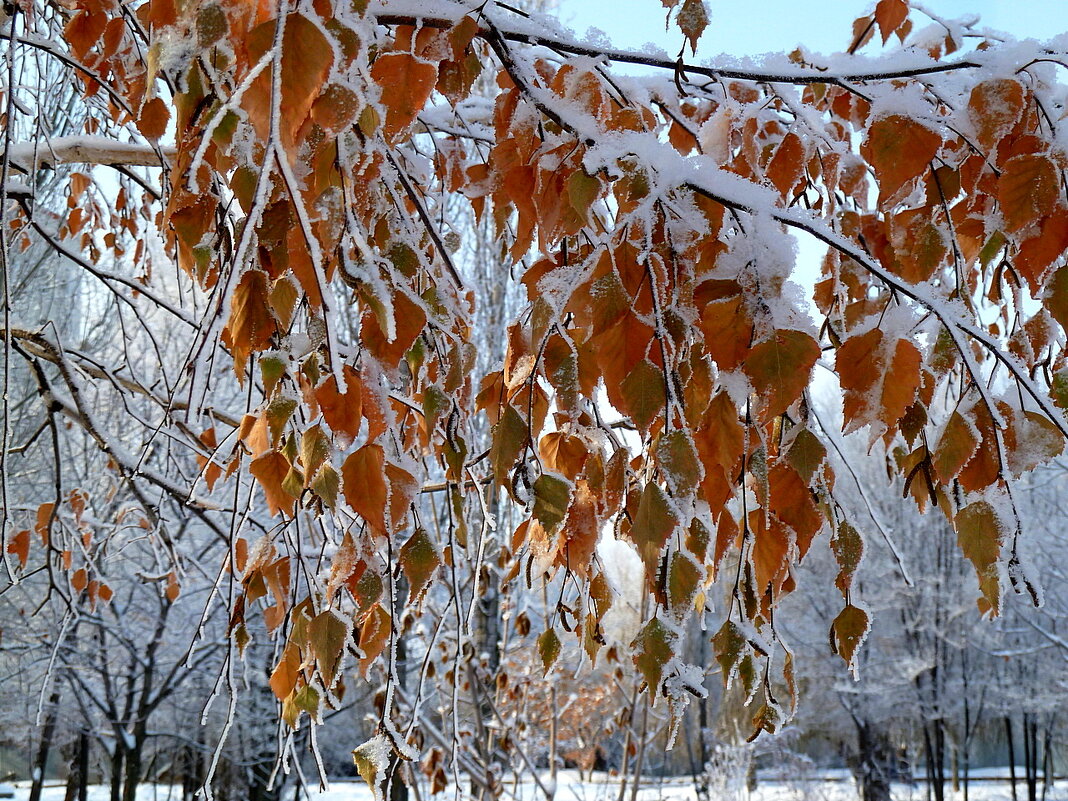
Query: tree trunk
[
  {"x": 40, "y": 760},
  {"x": 116, "y": 771},
  {"x": 78, "y": 777},
  {"x": 1047, "y": 760},
  {"x": 1012, "y": 756},
  {"x": 873, "y": 764},
  {"x": 133, "y": 771},
  {"x": 1031, "y": 755}
]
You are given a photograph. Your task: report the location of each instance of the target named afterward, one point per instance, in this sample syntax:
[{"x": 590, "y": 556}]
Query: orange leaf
[
  {"x": 899, "y": 149},
  {"x": 779, "y": 368},
  {"x": 342, "y": 412},
  {"x": 374, "y": 635},
  {"x": 284, "y": 677},
  {"x": 44, "y": 520},
  {"x": 251, "y": 323},
  {"x": 957, "y": 445},
  {"x": 271, "y": 470},
  {"x": 365, "y": 486},
  {"x": 848, "y": 631},
  {"x": 786, "y": 165},
  {"x": 994, "y": 107},
  {"x": 980, "y": 535},
  {"x": 1027, "y": 190},
  {"x": 154, "y": 118},
  {"x": 1043, "y": 249},
  {"x": 19, "y": 544},
  {"x": 889, "y": 14},
  {"x": 406, "y": 84}
]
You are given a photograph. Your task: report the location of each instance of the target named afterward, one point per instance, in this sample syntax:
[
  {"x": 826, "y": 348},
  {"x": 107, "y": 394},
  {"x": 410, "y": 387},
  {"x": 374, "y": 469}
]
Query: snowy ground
[{"x": 829, "y": 787}]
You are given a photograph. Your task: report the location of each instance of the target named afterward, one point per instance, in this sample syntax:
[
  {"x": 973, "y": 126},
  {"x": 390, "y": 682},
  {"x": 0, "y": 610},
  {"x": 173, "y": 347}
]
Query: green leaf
[
  {"x": 806, "y": 454},
  {"x": 551, "y": 497},
  {"x": 325, "y": 485},
  {"x": 272, "y": 368},
  {"x": 643, "y": 393},
  {"x": 582, "y": 191},
  {"x": 314, "y": 449},
  {"x": 684, "y": 580},
  {"x": 548, "y": 649},
  {"x": 653, "y": 649},
  {"x": 419, "y": 559},
  {"x": 728, "y": 644},
  {"x": 435, "y": 403},
  {"x": 848, "y": 547},
  {"x": 508, "y": 438},
  {"x": 679, "y": 461},
  {"x": 653, "y": 524},
  {"x": 307, "y": 700},
  {"x": 372, "y": 762},
  {"x": 327, "y": 634}
]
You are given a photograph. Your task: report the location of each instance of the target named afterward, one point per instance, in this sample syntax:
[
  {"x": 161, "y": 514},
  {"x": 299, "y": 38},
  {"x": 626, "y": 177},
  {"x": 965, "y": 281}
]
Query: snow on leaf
[
  {"x": 372, "y": 762},
  {"x": 679, "y": 461},
  {"x": 994, "y": 107},
  {"x": 692, "y": 21}
]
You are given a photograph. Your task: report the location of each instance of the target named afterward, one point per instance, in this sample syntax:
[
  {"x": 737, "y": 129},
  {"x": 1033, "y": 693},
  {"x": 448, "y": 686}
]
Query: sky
[{"x": 753, "y": 27}]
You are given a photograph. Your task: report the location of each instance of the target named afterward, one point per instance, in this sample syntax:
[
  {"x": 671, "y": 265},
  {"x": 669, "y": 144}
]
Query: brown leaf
[
  {"x": 643, "y": 393},
  {"x": 419, "y": 559},
  {"x": 956, "y": 446},
  {"x": 154, "y": 118},
  {"x": 889, "y": 14}
]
